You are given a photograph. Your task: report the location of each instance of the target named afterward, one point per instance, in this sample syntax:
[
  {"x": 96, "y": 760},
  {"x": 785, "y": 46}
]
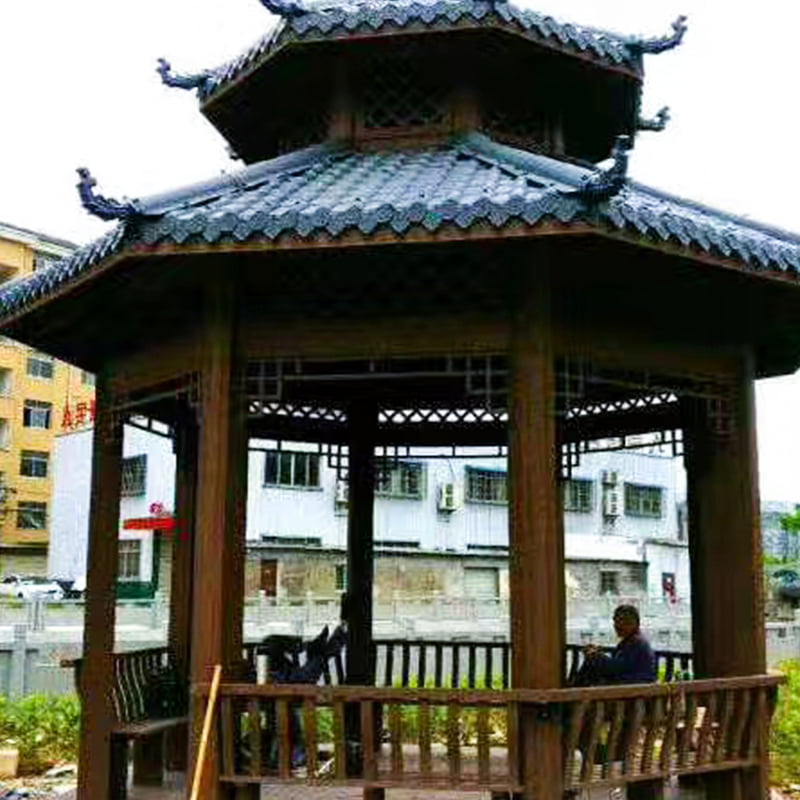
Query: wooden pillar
[
  {"x": 180, "y": 609},
  {"x": 95, "y": 773},
  {"x": 218, "y": 585},
  {"x": 725, "y": 549},
  {"x": 538, "y": 604}
]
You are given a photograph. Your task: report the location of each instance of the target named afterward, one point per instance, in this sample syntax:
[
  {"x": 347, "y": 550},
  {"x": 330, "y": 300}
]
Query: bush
[
  {"x": 785, "y": 737},
  {"x": 45, "y": 728}
]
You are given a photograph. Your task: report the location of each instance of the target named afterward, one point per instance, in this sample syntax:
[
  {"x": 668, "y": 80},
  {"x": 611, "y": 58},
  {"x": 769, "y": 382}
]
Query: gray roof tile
[{"x": 472, "y": 179}]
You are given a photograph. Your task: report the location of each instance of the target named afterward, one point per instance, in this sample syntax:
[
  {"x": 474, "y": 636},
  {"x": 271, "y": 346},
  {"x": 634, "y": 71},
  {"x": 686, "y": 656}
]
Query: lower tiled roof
[{"x": 330, "y": 190}]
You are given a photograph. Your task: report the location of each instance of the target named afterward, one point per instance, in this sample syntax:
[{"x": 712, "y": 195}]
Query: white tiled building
[{"x": 441, "y": 524}]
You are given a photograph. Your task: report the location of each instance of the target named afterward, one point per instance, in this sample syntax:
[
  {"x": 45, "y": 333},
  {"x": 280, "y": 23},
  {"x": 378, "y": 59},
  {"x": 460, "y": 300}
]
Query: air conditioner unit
[
  {"x": 609, "y": 476},
  {"x": 448, "y": 500},
  {"x": 611, "y": 503},
  {"x": 341, "y": 492}
]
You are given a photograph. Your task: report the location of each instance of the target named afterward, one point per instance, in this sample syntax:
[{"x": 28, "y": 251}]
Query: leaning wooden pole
[{"x": 209, "y": 718}]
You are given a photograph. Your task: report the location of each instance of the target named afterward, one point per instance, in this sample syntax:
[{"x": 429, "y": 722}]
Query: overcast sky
[{"x": 80, "y": 88}]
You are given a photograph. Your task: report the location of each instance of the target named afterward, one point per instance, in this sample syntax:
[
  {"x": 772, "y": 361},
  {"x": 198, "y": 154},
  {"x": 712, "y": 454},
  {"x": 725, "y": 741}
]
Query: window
[
  {"x": 40, "y": 367},
  {"x": 87, "y": 378},
  {"x": 5, "y": 381},
  {"x": 400, "y": 480},
  {"x": 643, "y": 501},
  {"x": 609, "y": 582},
  {"x": 37, "y": 414},
  {"x": 341, "y": 578},
  {"x": 32, "y": 516},
  {"x": 291, "y": 469},
  {"x": 5, "y": 434},
  {"x": 668, "y": 590},
  {"x": 578, "y": 495},
  {"x": 134, "y": 476},
  {"x": 482, "y": 582},
  {"x": 33, "y": 464},
  {"x": 486, "y": 486},
  {"x": 130, "y": 559}
]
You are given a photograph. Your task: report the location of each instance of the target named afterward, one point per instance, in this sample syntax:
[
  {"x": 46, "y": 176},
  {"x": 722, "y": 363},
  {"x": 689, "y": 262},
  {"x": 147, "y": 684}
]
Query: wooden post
[
  {"x": 218, "y": 586},
  {"x": 95, "y": 774},
  {"x": 180, "y": 609},
  {"x": 536, "y": 578},
  {"x": 725, "y": 548},
  {"x": 362, "y": 417}
]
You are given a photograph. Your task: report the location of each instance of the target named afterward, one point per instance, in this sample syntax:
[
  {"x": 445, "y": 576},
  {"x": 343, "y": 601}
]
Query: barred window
[
  {"x": 291, "y": 469},
  {"x": 129, "y": 560},
  {"x": 33, "y": 463},
  {"x": 578, "y": 495},
  {"x": 134, "y": 476},
  {"x": 401, "y": 480},
  {"x": 37, "y": 414},
  {"x": 486, "y": 486},
  {"x": 40, "y": 367},
  {"x": 643, "y": 501},
  {"x": 609, "y": 582},
  {"x": 32, "y": 515}
]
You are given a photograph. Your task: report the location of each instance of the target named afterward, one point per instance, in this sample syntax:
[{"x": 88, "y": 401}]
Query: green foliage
[
  {"x": 791, "y": 522},
  {"x": 45, "y": 728},
  {"x": 785, "y": 738}
]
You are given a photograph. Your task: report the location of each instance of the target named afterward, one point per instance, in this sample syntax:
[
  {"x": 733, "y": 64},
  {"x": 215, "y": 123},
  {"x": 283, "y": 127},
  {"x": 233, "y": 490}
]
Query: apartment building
[{"x": 39, "y": 396}]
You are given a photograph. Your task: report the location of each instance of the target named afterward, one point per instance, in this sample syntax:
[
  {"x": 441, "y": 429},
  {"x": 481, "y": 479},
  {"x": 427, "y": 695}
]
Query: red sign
[{"x": 78, "y": 415}]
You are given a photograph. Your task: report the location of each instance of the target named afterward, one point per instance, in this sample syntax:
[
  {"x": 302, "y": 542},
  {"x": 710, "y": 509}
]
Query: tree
[{"x": 791, "y": 526}]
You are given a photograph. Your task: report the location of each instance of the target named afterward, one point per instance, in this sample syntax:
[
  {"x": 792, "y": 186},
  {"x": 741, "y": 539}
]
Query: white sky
[{"x": 80, "y": 88}]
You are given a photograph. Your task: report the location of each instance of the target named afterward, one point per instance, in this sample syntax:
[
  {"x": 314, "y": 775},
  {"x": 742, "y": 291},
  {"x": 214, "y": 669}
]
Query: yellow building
[{"x": 39, "y": 397}]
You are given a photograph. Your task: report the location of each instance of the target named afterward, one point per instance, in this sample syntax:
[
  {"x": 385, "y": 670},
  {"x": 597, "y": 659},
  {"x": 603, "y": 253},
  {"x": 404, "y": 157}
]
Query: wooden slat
[
  {"x": 652, "y": 733},
  {"x": 254, "y": 735},
  {"x": 741, "y": 717},
  {"x": 425, "y": 738},
  {"x": 227, "y": 734},
  {"x": 671, "y": 721},
  {"x": 396, "y": 740},
  {"x": 454, "y": 743},
  {"x": 310, "y": 730},
  {"x": 438, "y": 665},
  {"x": 636, "y": 715},
  {"x": 595, "y": 718},
  {"x": 506, "y": 666},
  {"x": 284, "y": 738},
  {"x": 576, "y": 715},
  {"x": 471, "y": 666},
  {"x": 455, "y": 667},
  {"x": 759, "y": 724},
  {"x": 339, "y": 749},
  {"x": 706, "y": 734},
  {"x": 405, "y": 673},
  {"x": 369, "y": 765},
  {"x": 388, "y": 675},
  {"x": 687, "y": 730},
  {"x": 721, "y": 743},
  {"x": 614, "y": 733},
  {"x": 422, "y": 675},
  {"x": 483, "y": 745},
  {"x": 488, "y": 672},
  {"x": 512, "y": 724}
]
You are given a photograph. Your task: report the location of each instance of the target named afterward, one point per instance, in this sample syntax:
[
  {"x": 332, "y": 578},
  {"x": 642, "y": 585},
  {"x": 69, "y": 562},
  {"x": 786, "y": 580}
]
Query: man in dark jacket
[{"x": 632, "y": 661}]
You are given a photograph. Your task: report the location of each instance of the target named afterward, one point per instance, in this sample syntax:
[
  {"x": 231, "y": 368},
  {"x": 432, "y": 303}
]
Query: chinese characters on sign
[{"x": 78, "y": 415}]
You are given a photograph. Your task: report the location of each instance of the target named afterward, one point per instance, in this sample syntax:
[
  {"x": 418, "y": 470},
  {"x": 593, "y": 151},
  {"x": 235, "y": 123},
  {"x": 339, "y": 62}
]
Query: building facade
[
  {"x": 38, "y": 397},
  {"x": 441, "y": 523}
]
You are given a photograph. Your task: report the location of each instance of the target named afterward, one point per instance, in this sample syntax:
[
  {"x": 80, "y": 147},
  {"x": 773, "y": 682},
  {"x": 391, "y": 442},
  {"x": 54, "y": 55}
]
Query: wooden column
[
  {"x": 95, "y": 774},
  {"x": 180, "y": 609},
  {"x": 538, "y": 605},
  {"x": 218, "y": 585},
  {"x": 725, "y": 550}
]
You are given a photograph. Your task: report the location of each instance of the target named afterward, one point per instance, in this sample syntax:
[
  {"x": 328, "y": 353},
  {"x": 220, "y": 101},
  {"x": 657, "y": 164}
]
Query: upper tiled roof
[
  {"x": 330, "y": 190},
  {"x": 357, "y": 17}
]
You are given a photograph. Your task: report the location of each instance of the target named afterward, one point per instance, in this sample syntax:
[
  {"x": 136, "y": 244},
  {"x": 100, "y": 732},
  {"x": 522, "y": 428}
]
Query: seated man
[{"x": 632, "y": 661}]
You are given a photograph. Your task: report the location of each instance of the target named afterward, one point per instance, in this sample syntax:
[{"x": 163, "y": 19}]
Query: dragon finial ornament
[
  {"x": 662, "y": 43},
  {"x": 99, "y": 206},
  {"x": 605, "y": 184},
  {"x": 284, "y": 8},
  {"x": 656, "y": 123},
  {"x": 168, "y": 78}
]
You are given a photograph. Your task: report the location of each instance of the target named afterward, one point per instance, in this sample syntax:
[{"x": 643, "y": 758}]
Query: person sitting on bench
[{"x": 632, "y": 661}]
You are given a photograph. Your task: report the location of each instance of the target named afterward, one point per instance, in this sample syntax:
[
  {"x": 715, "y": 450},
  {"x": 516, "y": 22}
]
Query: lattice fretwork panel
[{"x": 400, "y": 91}]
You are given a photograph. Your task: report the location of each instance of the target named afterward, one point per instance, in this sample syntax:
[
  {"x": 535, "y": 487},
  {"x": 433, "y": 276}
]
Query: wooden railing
[
  {"x": 467, "y": 740},
  {"x": 409, "y": 663}
]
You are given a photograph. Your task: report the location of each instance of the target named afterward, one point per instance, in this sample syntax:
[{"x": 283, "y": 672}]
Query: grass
[{"x": 785, "y": 734}]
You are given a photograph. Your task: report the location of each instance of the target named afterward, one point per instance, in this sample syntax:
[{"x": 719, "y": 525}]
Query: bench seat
[{"x": 147, "y": 727}]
